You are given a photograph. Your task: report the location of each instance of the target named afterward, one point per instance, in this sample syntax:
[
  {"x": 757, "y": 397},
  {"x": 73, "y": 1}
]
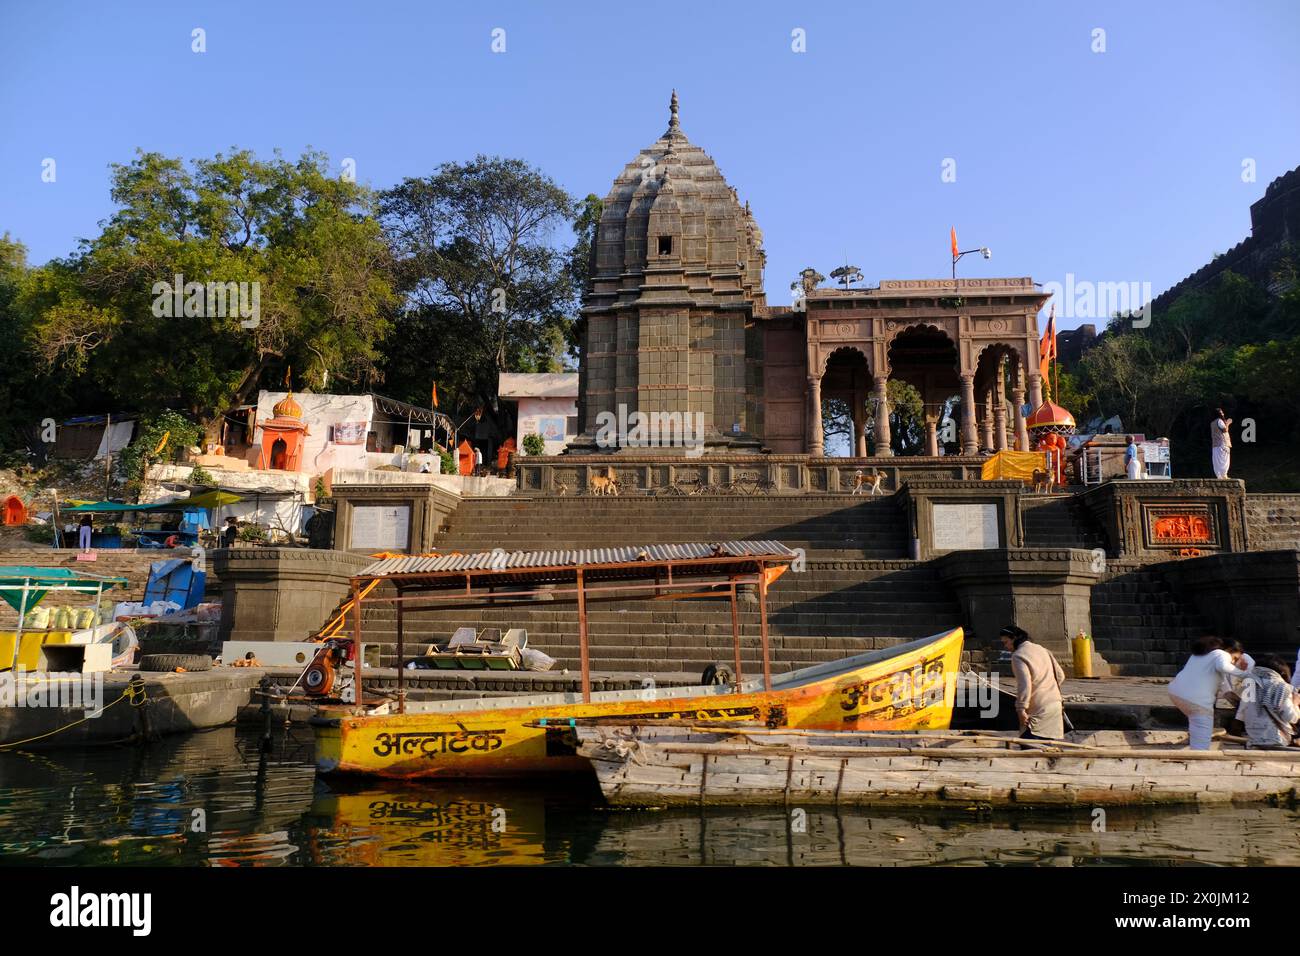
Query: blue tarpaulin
[{"x": 175, "y": 580}]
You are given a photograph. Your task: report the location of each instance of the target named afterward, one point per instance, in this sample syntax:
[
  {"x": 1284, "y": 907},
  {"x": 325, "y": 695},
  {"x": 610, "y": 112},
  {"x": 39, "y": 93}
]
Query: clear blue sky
[{"x": 1116, "y": 166}]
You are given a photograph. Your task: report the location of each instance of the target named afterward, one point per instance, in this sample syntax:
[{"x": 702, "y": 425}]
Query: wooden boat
[
  {"x": 908, "y": 687},
  {"x": 664, "y": 765}
]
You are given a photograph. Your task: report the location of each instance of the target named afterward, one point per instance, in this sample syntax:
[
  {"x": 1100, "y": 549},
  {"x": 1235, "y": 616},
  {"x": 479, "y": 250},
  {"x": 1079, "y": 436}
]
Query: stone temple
[{"x": 677, "y": 322}]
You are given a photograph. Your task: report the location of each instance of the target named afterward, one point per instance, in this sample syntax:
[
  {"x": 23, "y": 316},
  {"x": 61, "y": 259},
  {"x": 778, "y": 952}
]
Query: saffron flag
[
  {"x": 1047, "y": 347},
  {"x": 433, "y": 394},
  {"x": 955, "y": 253},
  {"x": 287, "y": 373}
]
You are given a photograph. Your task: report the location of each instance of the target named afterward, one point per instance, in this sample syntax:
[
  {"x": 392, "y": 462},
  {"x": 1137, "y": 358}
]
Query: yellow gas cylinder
[{"x": 1082, "y": 648}]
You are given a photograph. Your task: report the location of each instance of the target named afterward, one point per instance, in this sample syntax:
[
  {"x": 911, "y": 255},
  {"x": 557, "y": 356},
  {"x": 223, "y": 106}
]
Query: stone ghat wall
[
  {"x": 1273, "y": 522},
  {"x": 761, "y": 474}
]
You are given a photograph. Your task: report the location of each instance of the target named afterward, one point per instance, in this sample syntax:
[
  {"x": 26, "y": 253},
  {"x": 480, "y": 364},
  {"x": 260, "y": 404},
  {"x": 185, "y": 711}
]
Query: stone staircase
[
  {"x": 1139, "y": 626},
  {"x": 1273, "y": 522},
  {"x": 825, "y": 526},
  {"x": 1056, "y": 521},
  {"x": 829, "y": 611},
  {"x": 857, "y": 592}
]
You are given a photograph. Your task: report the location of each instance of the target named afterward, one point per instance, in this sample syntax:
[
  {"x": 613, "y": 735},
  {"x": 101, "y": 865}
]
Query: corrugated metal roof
[{"x": 589, "y": 557}]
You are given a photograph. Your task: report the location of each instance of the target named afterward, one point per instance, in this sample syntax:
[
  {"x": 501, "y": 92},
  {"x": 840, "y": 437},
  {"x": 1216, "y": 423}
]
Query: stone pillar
[
  {"x": 969, "y": 443},
  {"x": 932, "y": 435},
  {"x": 816, "y": 442},
  {"x": 859, "y": 422},
  {"x": 1035, "y": 391},
  {"x": 281, "y": 594},
  {"x": 986, "y": 421},
  {"x": 1000, "y": 421},
  {"x": 882, "y": 417},
  {"x": 1018, "y": 399}
]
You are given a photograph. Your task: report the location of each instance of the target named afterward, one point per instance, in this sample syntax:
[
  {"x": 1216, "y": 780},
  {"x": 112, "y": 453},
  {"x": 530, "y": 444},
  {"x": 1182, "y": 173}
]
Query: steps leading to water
[
  {"x": 823, "y": 525},
  {"x": 1057, "y": 521},
  {"x": 821, "y": 614},
  {"x": 1139, "y": 626}
]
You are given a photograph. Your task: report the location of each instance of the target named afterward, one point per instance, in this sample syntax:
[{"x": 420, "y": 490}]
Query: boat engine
[{"x": 329, "y": 673}]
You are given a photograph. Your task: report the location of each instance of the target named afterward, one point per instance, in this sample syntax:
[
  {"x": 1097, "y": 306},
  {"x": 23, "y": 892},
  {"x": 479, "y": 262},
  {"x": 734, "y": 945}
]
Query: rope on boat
[{"x": 134, "y": 693}]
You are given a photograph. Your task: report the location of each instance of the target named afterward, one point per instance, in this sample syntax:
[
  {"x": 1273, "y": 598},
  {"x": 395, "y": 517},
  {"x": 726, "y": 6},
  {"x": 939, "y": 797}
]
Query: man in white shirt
[{"x": 1220, "y": 444}]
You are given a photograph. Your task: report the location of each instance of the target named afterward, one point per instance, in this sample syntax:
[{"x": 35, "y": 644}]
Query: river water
[{"x": 211, "y": 799}]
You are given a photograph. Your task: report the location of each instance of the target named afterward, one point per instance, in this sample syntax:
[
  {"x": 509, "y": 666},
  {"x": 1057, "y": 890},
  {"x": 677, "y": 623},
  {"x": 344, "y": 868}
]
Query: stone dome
[
  {"x": 672, "y": 209},
  {"x": 287, "y": 408}
]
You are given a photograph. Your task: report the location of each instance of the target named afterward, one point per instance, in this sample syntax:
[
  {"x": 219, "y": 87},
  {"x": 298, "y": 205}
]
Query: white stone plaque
[
  {"x": 969, "y": 527},
  {"x": 381, "y": 527}
]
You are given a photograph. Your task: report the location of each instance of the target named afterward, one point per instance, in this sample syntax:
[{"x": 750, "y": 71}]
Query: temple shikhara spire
[{"x": 673, "y": 121}]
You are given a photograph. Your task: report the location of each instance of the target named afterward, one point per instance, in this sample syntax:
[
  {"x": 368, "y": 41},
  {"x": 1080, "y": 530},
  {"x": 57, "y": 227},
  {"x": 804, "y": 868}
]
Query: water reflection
[{"x": 215, "y": 799}]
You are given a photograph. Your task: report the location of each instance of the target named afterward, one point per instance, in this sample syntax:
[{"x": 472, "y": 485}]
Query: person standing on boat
[
  {"x": 87, "y": 527},
  {"x": 1269, "y": 705},
  {"x": 1039, "y": 706},
  {"x": 1196, "y": 687}
]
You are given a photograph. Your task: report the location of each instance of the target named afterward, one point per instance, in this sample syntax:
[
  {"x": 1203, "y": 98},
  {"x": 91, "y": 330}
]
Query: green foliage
[
  {"x": 139, "y": 455},
  {"x": 1229, "y": 345},
  {"x": 305, "y": 238},
  {"x": 201, "y": 476},
  {"x": 534, "y": 444},
  {"x": 448, "y": 462},
  {"x": 485, "y": 287},
  {"x": 1074, "y": 396},
  {"x": 906, "y": 421},
  {"x": 254, "y": 533}
]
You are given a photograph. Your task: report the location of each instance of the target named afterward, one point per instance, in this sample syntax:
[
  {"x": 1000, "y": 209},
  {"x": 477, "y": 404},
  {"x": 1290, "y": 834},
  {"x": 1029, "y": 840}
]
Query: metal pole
[
  {"x": 356, "y": 638},
  {"x": 22, "y": 618},
  {"x": 762, "y": 625},
  {"x": 401, "y": 669},
  {"x": 582, "y": 640},
  {"x": 735, "y": 629},
  {"x": 108, "y": 453}
]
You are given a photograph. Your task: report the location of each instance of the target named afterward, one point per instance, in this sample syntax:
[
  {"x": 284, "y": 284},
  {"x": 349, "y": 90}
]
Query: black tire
[
  {"x": 718, "y": 673},
  {"x": 170, "y": 662}
]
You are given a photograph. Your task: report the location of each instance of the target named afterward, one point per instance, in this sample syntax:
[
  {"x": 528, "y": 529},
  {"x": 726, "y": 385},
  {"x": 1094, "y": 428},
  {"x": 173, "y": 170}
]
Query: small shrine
[{"x": 282, "y": 436}]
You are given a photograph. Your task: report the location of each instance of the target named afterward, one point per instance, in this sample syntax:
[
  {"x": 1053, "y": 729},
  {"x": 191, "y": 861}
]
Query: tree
[
  {"x": 906, "y": 421},
  {"x": 485, "y": 288},
  {"x": 279, "y": 264}
]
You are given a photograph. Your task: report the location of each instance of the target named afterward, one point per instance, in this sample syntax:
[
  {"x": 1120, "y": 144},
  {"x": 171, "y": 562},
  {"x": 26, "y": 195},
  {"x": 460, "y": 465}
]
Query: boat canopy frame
[
  {"x": 32, "y": 584},
  {"x": 652, "y": 572}
]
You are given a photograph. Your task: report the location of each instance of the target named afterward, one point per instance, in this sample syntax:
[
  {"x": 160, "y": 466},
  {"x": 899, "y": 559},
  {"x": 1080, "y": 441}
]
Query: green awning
[
  {"x": 209, "y": 499},
  {"x": 37, "y": 582}
]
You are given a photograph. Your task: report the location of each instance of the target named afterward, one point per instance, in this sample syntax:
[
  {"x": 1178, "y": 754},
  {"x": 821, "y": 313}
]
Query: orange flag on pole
[
  {"x": 433, "y": 394},
  {"x": 1047, "y": 347},
  {"x": 955, "y": 253}
]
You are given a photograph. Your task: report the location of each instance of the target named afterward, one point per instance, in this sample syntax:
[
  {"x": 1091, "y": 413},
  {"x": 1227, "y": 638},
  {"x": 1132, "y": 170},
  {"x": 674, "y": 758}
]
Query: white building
[{"x": 547, "y": 405}]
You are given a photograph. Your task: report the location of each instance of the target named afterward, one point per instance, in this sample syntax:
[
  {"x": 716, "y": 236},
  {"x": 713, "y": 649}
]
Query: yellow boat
[{"x": 908, "y": 687}]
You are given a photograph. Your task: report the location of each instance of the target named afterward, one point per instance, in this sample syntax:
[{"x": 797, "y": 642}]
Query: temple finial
[{"x": 672, "y": 112}]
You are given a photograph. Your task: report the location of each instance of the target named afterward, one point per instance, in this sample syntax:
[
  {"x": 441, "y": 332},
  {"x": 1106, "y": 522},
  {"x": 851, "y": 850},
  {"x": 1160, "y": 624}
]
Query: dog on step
[
  {"x": 605, "y": 484},
  {"x": 872, "y": 481},
  {"x": 1043, "y": 481}
]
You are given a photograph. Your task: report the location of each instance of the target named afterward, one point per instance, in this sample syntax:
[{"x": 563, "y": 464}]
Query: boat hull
[
  {"x": 909, "y": 688},
  {"x": 654, "y": 766}
]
